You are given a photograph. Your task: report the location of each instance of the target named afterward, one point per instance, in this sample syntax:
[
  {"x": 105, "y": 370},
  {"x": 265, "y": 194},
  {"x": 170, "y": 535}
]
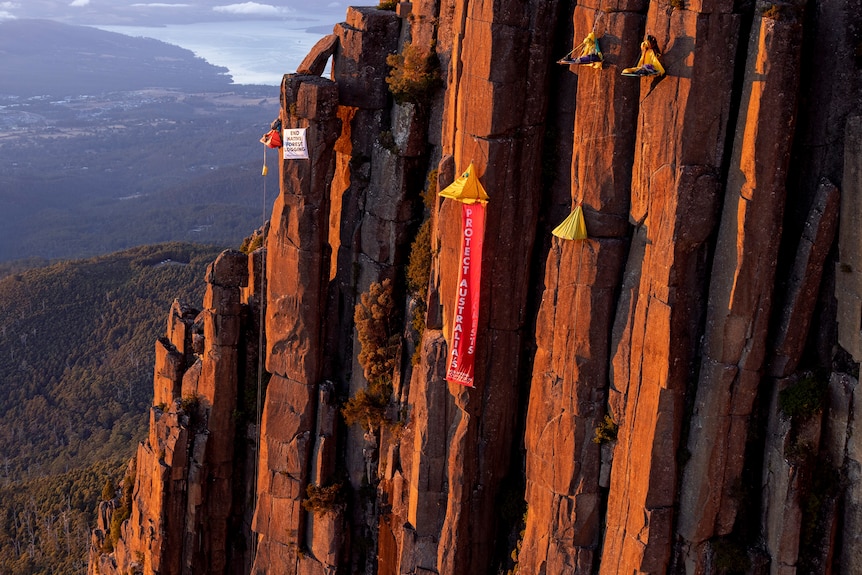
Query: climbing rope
[
  {"x": 589, "y": 48},
  {"x": 597, "y": 19},
  {"x": 260, "y": 341}
]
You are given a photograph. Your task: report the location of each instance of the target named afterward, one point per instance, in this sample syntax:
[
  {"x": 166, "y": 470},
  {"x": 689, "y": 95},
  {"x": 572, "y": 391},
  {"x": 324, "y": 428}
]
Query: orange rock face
[
  {"x": 675, "y": 190},
  {"x": 741, "y": 282},
  {"x": 568, "y": 393},
  {"x": 182, "y": 507},
  {"x": 670, "y": 395},
  {"x": 297, "y": 248}
]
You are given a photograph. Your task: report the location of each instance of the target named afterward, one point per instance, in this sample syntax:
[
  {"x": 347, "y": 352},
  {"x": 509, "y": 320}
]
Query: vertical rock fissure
[{"x": 555, "y": 204}]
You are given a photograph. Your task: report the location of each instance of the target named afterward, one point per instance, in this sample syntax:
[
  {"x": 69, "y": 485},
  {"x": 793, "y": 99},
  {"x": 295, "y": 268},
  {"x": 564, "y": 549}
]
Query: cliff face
[{"x": 674, "y": 394}]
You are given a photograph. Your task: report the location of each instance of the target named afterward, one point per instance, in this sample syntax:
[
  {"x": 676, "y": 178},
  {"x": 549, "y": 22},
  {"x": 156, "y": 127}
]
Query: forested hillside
[{"x": 76, "y": 368}]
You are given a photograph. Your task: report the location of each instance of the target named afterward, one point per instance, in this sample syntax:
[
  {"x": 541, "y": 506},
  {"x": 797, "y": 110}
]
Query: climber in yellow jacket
[
  {"x": 591, "y": 53},
  {"x": 649, "y": 64}
]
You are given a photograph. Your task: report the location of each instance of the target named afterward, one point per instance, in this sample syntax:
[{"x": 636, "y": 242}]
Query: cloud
[
  {"x": 160, "y": 5},
  {"x": 8, "y": 5},
  {"x": 334, "y": 5},
  {"x": 252, "y": 8},
  {"x": 4, "y": 15},
  {"x": 79, "y": 3}
]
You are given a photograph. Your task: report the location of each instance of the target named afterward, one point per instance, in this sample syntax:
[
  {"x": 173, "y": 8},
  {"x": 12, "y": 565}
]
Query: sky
[
  {"x": 257, "y": 41},
  {"x": 137, "y": 13}
]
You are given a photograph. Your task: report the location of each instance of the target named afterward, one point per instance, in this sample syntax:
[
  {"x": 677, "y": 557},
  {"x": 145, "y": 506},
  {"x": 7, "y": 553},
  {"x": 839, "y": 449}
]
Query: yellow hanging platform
[
  {"x": 649, "y": 64},
  {"x": 591, "y": 53},
  {"x": 467, "y": 189},
  {"x": 573, "y": 227}
]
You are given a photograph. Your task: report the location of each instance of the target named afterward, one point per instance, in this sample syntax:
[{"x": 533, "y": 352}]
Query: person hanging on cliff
[
  {"x": 272, "y": 139},
  {"x": 649, "y": 64},
  {"x": 591, "y": 54}
]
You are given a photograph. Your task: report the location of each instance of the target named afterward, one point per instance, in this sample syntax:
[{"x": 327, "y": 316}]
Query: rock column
[
  {"x": 183, "y": 501},
  {"x": 216, "y": 396},
  {"x": 570, "y": 373},
  {"x": 675, "y": 194},
  {"x": 741, "y": 285},
  {"x": 359, "y": 242},
  {"x": 495, "y": 109},
  {"x": 297, "y": 275},
  {"x": 851, "y": 551},
  {"x": 848, "y": 276}
]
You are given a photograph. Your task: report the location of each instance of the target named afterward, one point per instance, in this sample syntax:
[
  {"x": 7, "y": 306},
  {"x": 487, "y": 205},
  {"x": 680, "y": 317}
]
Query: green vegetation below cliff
[
  {"x": 46, "y": 522},
  {"x": 76, "y": 369}
]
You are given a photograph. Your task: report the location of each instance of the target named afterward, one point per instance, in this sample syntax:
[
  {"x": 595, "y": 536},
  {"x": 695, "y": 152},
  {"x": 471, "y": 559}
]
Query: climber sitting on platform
[
  {"x": 649, "y": 64},
  {"x": 591, "y": 54}
]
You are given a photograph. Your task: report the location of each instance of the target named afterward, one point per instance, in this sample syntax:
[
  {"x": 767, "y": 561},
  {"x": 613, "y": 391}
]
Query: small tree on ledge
[
  {"x": 414, "y": 75},
  {"x": 377, "y": 331}
]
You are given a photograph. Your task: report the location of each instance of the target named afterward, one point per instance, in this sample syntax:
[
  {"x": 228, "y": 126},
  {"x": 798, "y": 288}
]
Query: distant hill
[
  {"x": 43, "y": 57},
  {"x": 76, "y": 369},
  {"x": 160, "y": 13}
]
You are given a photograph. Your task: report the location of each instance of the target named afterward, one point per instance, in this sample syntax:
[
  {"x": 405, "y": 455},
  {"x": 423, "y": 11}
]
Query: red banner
[{"x": 462, "y": 348}]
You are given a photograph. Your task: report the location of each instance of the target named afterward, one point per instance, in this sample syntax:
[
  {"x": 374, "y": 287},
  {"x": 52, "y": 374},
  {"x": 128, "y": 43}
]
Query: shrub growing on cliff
[
  {"x": 251, "y": 243},
  {"x": 108, "y": 491},
  {"x": 387, "y": 141},
  {"x": 802, "y": 399},
  {"x": 189, "y": 403},
  {"x": 124, "y": 511},
  {"x": 606, "y": 431},
  {"x": 387, "y": 4},
  {"x": 377, "y": 331},
  {"x": 418, "y": 273},
  {"x": 429, "y": 194},
  {"x": 368, "y": 407},
  {"x": 419, "y": 267},
  {"x": 320, "y": 499},
  {"x": 414, "y": 75}
]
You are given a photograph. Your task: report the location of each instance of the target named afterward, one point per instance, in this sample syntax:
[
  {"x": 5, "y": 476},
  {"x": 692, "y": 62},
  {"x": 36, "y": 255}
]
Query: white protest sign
[{"x": 294, "y": 145}]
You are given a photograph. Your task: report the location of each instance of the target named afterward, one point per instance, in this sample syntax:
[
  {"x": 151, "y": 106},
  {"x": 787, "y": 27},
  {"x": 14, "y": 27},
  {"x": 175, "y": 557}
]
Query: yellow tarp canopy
[
  {"x": 466, "y": 189},
  {"x": 573, "y": 227}
]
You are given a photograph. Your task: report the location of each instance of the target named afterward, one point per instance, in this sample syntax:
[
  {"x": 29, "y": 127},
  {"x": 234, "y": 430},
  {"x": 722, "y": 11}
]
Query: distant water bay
[{"x": 254, "y": 52}]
